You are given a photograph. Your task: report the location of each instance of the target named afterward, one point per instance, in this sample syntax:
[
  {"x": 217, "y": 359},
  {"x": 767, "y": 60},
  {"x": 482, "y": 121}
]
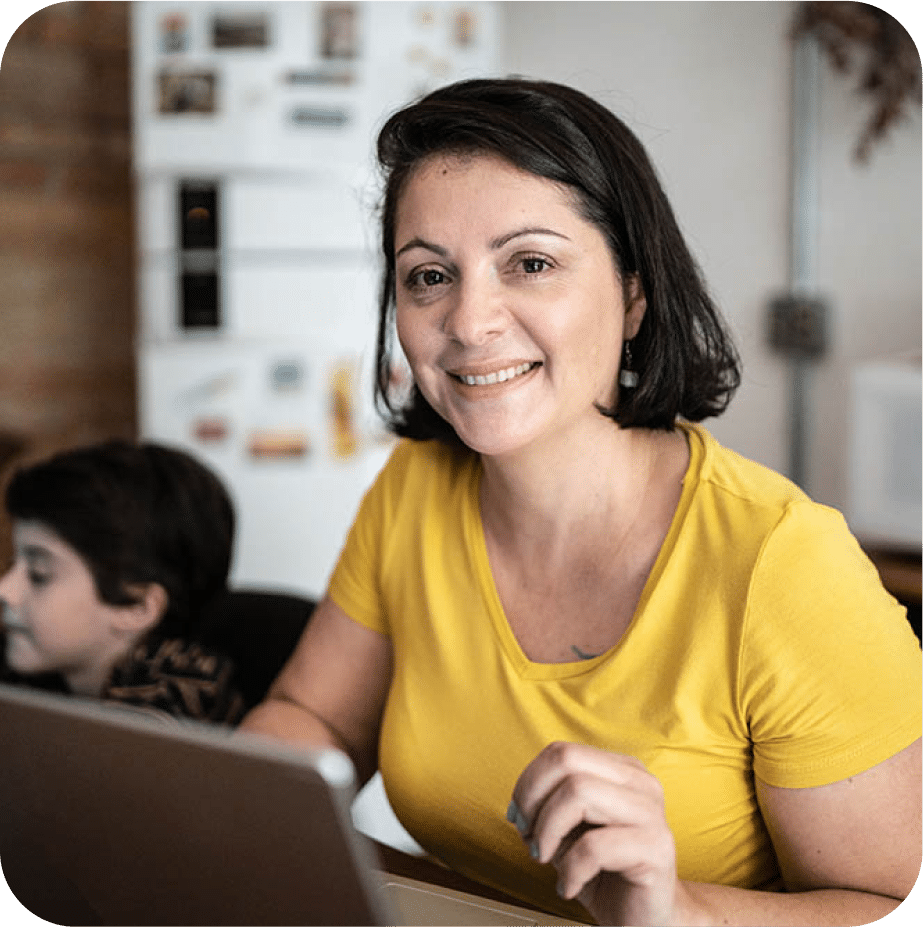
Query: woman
[
  {"x": 118, "y": 547},
  {"x": 603, "y": 663}
]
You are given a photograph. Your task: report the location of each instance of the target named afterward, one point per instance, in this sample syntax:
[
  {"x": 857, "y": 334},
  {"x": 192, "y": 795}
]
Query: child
[{"x": 118, "y": 547}]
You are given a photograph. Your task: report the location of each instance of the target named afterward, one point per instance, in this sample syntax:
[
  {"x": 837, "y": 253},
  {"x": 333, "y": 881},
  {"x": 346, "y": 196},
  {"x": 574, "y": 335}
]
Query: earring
[{"x": 627, "y": 377}]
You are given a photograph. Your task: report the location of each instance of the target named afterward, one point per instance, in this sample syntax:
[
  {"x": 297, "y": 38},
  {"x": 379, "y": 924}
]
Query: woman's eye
[
  {"x": 432, "y": 277},
  {"x": 534, "y": 265},
  {"x": 428, "y": 277},
  {"x": 38, "y": 579}
]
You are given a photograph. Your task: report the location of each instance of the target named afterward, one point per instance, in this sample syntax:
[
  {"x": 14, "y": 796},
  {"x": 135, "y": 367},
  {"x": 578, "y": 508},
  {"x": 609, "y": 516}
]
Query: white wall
[
  {"x": 707, "y": 87},
  {"x": 869, "y": 260}
]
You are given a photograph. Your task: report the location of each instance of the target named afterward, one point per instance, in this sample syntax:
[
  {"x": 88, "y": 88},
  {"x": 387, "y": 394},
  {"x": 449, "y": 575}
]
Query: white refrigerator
[{"x": 253, "y": 132}]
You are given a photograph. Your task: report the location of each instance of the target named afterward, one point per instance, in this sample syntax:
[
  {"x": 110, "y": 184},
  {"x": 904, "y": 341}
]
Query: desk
[{"x": 900, "y": 573}]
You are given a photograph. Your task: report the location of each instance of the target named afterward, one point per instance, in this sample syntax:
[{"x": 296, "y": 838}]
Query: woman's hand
[{"x": 598, "y": 817}]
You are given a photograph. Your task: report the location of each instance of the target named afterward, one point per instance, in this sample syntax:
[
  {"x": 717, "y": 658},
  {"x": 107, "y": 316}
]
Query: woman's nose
[{"x": 475, "y": 314}]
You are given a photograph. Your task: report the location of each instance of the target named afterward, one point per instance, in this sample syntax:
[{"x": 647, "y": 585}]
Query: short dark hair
[
  {"x": 135, "y": 513},
  {"x": 687, "y": 362}
]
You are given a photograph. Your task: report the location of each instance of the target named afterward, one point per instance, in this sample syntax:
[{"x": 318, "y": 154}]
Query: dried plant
[{"x": 860, "y": 35}]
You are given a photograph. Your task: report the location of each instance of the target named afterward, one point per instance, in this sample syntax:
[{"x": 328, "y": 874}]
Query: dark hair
[
  {"x": 135, "y": 513},
  {"x": 687, "y": 362}
]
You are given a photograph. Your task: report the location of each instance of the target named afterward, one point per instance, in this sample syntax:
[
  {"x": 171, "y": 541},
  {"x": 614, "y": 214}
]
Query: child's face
[{"x": 53, "y": 616}]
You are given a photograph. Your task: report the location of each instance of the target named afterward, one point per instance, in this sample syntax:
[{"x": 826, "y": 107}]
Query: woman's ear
[
  {"x": 146, "y": 613},
  {"x": 635, "y": 306}
]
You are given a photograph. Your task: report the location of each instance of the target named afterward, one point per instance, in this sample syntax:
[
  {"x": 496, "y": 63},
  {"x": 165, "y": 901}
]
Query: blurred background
[{"x": 187, "y": 238}]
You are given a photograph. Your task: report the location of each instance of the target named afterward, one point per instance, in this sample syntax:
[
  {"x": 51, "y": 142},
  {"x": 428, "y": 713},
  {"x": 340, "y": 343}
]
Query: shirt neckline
[{"x": 526, "y": 668}]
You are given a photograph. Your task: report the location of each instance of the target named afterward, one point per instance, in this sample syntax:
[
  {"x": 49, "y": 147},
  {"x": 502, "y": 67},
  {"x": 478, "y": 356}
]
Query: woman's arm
[
  {"x": 849, "y": 852},
  {"x": 332, "y": 690}
]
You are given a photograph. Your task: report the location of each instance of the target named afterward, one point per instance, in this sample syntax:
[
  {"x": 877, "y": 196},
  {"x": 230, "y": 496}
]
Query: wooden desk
[{"x": 900, "y": 573}]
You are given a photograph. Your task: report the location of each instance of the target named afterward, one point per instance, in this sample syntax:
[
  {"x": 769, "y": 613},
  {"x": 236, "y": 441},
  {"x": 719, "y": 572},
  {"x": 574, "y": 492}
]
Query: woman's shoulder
[
  {"x": 732, "y": 477},
  {"x": 733, "y": 496}
]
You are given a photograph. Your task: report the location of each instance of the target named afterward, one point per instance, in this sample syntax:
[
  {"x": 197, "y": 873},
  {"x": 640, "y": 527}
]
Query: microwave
[{"x": 884, "y": 458}]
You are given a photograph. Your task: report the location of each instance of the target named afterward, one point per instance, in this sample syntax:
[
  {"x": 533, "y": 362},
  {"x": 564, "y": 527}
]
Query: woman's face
[
  {"x": 53, "y": 617},
  {"x": 509, "y": 305}
]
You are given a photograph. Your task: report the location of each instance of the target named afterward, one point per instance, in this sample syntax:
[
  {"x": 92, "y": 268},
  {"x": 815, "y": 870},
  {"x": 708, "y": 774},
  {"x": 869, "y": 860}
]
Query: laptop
[{"x": 114, "y": 815}]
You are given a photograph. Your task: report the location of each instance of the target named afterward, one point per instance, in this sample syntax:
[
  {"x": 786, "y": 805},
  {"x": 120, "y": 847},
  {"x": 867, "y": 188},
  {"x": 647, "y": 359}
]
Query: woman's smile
[{"x": 469, "y": 377}]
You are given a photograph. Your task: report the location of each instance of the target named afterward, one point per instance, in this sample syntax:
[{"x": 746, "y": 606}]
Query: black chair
[{"x": 258, "y": 630}]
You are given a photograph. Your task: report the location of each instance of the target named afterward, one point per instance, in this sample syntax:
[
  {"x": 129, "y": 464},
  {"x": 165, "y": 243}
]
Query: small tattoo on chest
[{"x": 581, "y": 654}]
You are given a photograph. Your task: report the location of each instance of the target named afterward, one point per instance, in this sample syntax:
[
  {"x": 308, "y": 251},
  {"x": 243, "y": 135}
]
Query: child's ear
[{"x": 146, "y": 613}]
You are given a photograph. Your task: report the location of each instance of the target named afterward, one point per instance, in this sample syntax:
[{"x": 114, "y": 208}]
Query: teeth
[{"x": 501, "y": 376}]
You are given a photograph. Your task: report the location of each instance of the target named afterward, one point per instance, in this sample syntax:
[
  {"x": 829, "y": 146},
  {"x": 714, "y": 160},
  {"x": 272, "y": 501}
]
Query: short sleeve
[
  {"x": 830, "y": 670},
  {"x": 355, "y": 585}
]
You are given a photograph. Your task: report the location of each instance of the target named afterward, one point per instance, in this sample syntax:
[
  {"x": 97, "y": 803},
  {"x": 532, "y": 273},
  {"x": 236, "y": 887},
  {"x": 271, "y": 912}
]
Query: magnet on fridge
[
  {"x": 339, "y": 33},
  {"x": 320, "y": 117},
  {"x": 279, "y": 444},
  {"x": 322, "y": 77},
  {"x": 465, "y": 28},
  {"x": 344, "y": 437},
  {"x": 174, "y": 33},
  {"x": 210, "y": 429},
  {"x": 214, "y": 387},
  {"x": 287, "y": 376},
  {"x": 240, "y": 30},
  {"x": 186, "y": 92}
]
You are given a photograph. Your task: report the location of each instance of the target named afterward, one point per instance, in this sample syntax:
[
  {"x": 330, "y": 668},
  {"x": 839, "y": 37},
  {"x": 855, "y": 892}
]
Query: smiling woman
[
  {"x": 691, "y": 365},
  {"x": 603, "y": 663}
]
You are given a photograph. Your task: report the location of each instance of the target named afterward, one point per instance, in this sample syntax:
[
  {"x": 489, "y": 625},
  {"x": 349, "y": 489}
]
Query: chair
[{"x": 258, "y": 630}]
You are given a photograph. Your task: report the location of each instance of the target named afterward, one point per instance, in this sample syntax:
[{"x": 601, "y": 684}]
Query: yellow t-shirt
[{"x": 763, "y": 643}]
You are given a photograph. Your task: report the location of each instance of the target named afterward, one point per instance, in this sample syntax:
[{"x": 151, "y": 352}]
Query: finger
[
  {"x": 633, "y": 855},
  {"x": 583, "y": 861},
  {"x": 575, "y": 805},
  {"x": 582, "y": 801},
  {"x": 557, "y": 761}
]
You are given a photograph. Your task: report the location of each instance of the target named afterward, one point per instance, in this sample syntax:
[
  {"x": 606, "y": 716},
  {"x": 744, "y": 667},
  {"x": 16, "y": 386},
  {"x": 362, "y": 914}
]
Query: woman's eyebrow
[
  {"x": 495, "y": 244},
  {"x": 519, "y": 233},
  {"x": 421, "y": 243}
]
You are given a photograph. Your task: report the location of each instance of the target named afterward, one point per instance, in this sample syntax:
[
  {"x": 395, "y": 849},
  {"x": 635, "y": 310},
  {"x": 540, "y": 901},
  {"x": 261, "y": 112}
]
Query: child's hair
[{"x": 136, "y": 514}]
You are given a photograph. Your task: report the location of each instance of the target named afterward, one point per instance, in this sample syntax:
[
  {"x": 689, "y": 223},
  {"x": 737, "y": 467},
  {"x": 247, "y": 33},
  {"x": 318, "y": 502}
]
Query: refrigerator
[{"x": 256, "y": 196}]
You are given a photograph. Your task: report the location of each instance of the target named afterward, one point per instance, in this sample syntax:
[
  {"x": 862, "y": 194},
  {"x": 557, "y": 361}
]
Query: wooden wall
[{"x": 67, "y": 268}]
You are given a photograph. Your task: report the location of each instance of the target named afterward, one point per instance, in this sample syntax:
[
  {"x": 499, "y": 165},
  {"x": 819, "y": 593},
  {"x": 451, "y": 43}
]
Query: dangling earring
[{"x": 627, "y": 377}]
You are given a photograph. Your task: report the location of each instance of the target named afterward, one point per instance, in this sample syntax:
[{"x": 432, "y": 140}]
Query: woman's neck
[{"x": 545, "y": 498}]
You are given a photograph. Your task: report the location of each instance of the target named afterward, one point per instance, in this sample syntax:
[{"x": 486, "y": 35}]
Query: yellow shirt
[{"x": 763, "y": 643}]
